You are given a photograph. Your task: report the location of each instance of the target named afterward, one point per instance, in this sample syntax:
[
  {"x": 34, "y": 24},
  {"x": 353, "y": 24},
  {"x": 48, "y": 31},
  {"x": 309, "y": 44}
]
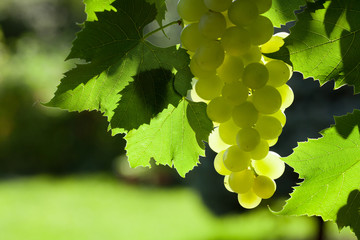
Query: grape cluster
[{"x": 246, "y": 92}]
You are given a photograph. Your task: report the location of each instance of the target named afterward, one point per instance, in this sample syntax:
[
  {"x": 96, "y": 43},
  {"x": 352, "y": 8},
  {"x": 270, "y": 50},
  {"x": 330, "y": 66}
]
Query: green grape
[
  {"x": 280, "y": 115},
  {"x": 252, "y": 55},
  {"x": 212, "y": 25},
  {"x": 273, "y": 45},
  {"x": 235, "y": 93},
  {"x": 279, "y": 73},
  {"x": 243, "y": 12},
  {"x": 217, "y": 5},
  {"x": 236, "y": 41},
  {"x": 247, "y": 139},
  {"x": 267, "y": 100},
  {"x": 264, "y": 186},
  {"x": 260, "y": 151},
  {"x": 219, "y": 164},
  {"x": 209, "y": 88},
  {"x": 215, "y": 142},
  {"x": 271, "y": 166},
  {"x": 219, "y": 110},
  {"x": 191, "y": 38},
  {"x": 191, "y": 10},
  {"x": 272, "y": 142},
  {"x": 261, "y": 30},
  {"x": 210, "y": 55},
  {"x": 241, "y": 182},
  {"x": 263, "y": 5},
  {"x": 255, "y": 75},
  {"x": 268, "y": 127},
  {"x": 245, "y": 115},
  {"x": 287, "y": 95},
  {"x": 231, "y": 69},
  {"x": 199, "y": 72},
  {"x": 228, "y": 131},
  {"x": 226, "y": 183},
  {"x": 235, "y": 159},
  {"x": 249, "y": 200}
]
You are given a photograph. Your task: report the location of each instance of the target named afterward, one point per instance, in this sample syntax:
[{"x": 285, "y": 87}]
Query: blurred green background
[{"x": 62, "y": 175}]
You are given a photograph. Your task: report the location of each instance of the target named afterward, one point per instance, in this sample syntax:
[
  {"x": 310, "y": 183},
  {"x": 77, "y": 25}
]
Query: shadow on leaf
[{"x": 344, "y": 125}]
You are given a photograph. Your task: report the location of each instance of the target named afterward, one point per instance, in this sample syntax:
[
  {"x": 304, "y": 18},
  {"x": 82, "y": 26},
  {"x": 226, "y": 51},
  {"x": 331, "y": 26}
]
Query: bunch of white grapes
[{"x": 246, "y": 92}]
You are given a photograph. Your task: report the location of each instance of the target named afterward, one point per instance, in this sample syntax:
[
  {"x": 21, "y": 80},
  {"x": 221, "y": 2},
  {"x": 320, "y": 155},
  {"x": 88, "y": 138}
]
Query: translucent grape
[
  {"x": 199, "y": 72},
  {"x": 268, "y": 127},
  {"x": 231, "y": 70},
  {"x": 267, "y": 100},
  {"x": 209, "y": 88},
  {"x": 215, "y": 142},
  {"x": 255, "y": 75},
  {"x": 245, "y": 115},
  {"x": 210, "y": 55},
  {"x": 260, "y": 151},
  {"x": 252, "y": 55},
  {"x": 191, "y": 38},
  {"x": 219, "y": 164},
  {"x": 249, "y": 200},
  {"x": 228, "y": 131},
  {"x": 241, "y": 182},
  {"x": 243, "y": 12},
  {"x": 280, "y": 115},
  {"x": 217, "y": 5},
  {"x": 271, "y": 166},
  {"x": 273, "y": 45},
  {"x": 226, "y": 183},
  {"x": 287, "y": 95},
  {"x": 247, "y": 139},
  {"x": 272, "y": 142},
  {"x": 191, "y": 10},
  {"x": 212, "y": 25},
  {"x": 235, "y": 93},
  {"x": 261, "y": 30},
  {"x": 236, "y": 159},
  {"x": 219, "y": 110},
  {"x": 236, "y": 41},
  {"x": 263, "y": 5},
  {"x": 264, "y": 186},
  {"x": 279, "y": 73}
]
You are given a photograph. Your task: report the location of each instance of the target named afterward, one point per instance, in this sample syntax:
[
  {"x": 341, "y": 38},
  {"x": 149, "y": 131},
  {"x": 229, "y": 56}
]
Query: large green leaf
[
  {"x": 325, "y": 43},
  {"x": 330, "y": 168},
  {"x": 282, "y": 11}
]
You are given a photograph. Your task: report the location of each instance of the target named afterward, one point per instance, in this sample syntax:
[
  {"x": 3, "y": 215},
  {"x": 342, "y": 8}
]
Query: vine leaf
[
  {"x": 282, "y": 12},
  {"x": 325, "y": 41},
  {"x": 330, "y": 168}
]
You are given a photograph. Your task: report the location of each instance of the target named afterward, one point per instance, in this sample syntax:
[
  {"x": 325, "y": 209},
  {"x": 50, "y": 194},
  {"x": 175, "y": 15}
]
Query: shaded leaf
[{"x": 282, "y": 12}]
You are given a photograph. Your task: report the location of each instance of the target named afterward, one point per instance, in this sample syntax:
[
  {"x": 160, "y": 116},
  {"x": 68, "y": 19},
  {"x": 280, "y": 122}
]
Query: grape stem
[{"x": 162, "y": 28}]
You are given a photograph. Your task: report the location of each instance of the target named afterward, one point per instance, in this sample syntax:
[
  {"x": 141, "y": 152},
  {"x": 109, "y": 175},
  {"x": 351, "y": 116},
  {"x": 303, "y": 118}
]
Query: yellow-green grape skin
[
  {"x": 219, "y": 164},
  {"x": 209, "y": 88},
  {"x": 273, "y": 45},
  {"x": 236, "y": 41},
  {"x": 251, "y": 56},
  {"x": 287, "y": 95},
  {"x": 245, "y": 115},
  {"x": 280, "y": 115},
  {"x": 217, "y": 5},
  {"x": 215, "y": 142},
  {"x": 235, "y": 93},
  {"x": 241, "y": 182},
  {"x": 260, "y": 151},
  {"x": 267, "y": 100},
  {"x": 226, "y": 183},
  {"x": 271, "y": 166},
  {"x": 219, "y": 110},
  {"x": 279, "y": 73},
  {"x": 264, "y": 186},
  {"x": 261, "y": 30},
  {"x": 272, "y": 142},
  {"x": 243, "y": 12},
  {"x": 191, "y": 38},
  {"x": 247, "y": 139},
  {"x": 212, "y": 25},
  {"x": 263, "y": 5},
  {"x": 249, "y": 200},
  {"x": 191, "y": 10},
  {"x": 255, "y": 75},
  {"x": 210, "y": 55},
  {"x": 228, "y": 22},
  {"x": 228, "y": 131},
  {"x": 268, "y": 127},
  {"x": 199, "y": 72},
  {"x": 231, "y": 69},
  {"x": 235, "y": 159}
]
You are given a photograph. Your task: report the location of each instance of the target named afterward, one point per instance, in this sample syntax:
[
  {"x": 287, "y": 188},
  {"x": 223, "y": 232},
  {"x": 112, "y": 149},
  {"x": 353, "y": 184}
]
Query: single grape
[
  {"x": 260, "y": 151},
  {"x": 235, "y": 93},
  {"x": 249, "y": 200},
  {"x": 243, "y": 12},
  {"x": 219, "y": 164},
  {"x": 279, "y": 73},
  {"x": 280, "y": 115},
  {"x": 272, "y": 142},
  {"x": 231, "y": 69},
  {"x": 245, "y": 115},
  {"x": 252, "y": 55},
  {"x": 199, "y": 72},
  {"x": 212, "y": 25},
  {"x": 273, "y": 45},
  {"x": 226, "y": 183},
  {"x": 210, "y": 55},
  {"x": 219, "y": 110},
  {"x": 191, "y": 38},
  {"x": 264, "y": 186},
  {"x": 209, "y": 88},
  {"x": 215, "y": 142},
  {"x": 287, "y": 95},
  {"x": 236, "y": 41},
  {"x": 241, "y": 182},
  {"x": 263, "y": 5},
  {"x": 267, "y": 100},
  {"x": 191, "y": 10},
  {"x": 271, "y": 166},
  {"x": 247, "y": 139},
  {"x": 228, "y": 131},
  {"x": 255, "y": 75},
  {"x": 268, "y": 127},
  {"x": 261, "y": 30},
  {"x": 236, "y": 159}
]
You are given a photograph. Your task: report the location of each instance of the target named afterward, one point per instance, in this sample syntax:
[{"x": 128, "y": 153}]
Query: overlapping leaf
[{"x": 282, "y": 11}]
